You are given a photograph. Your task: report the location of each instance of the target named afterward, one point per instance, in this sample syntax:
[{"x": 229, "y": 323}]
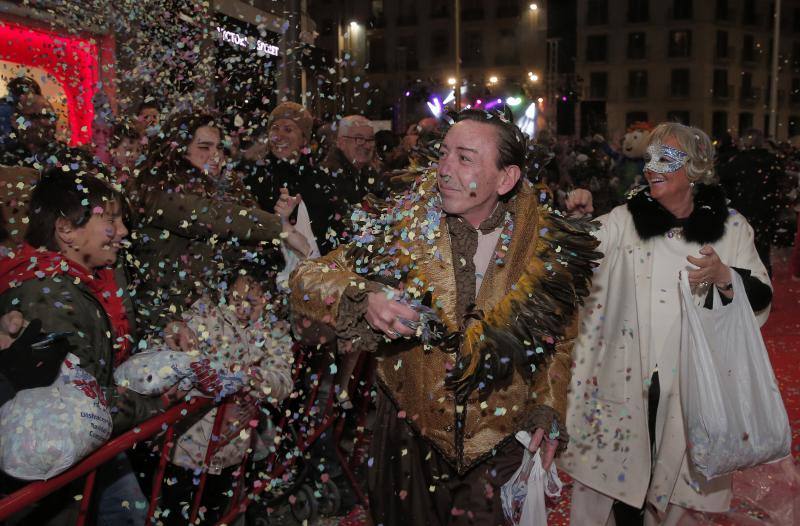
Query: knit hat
[{"x": 294, "y": 112}]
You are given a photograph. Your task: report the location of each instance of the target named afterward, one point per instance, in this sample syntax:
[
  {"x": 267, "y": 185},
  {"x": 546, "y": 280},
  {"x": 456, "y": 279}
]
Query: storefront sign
[{"x": 238, "y": 39}]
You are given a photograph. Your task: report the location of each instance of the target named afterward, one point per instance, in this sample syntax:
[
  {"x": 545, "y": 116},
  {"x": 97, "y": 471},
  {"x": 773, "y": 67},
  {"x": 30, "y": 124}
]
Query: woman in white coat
[{"x": 627, "y": 449}]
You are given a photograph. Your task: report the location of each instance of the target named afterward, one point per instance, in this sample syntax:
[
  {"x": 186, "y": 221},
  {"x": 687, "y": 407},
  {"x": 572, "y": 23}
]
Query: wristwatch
[{"x": 725, "y": 288}]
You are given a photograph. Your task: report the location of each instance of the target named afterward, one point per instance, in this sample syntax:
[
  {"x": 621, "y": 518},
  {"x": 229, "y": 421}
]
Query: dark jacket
[
  {"x": 265, "y": 179},
  {"x": 184, "y": 242},
  {"x": 62, "y": 305},
  {"x": 352, "y": 184}
]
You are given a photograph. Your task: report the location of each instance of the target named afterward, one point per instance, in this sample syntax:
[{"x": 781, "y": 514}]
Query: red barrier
[{"x": 165, "y": 423}]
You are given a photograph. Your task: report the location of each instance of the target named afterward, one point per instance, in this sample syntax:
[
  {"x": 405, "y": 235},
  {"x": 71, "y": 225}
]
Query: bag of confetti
[
  {"x": 732, "y": 407},
  {"x": 44, "y": 431},
  {"x": 523, "y": 495},
  {"x": 153, "y": 373}
]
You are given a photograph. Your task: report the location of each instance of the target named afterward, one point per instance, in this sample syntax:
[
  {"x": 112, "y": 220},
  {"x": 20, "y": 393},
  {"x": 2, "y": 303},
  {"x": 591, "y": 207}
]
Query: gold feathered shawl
[{"x": 523, "y": 328}]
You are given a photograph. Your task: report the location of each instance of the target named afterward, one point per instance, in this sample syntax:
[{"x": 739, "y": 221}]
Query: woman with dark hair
[
  {"x": 195, "y": 219},
  {"x": 65, "y": 280}
]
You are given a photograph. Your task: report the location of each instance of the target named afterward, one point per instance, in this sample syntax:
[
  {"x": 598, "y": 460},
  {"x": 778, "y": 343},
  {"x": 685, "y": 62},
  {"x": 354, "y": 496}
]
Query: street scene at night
[{"x": 399, "y": 262}]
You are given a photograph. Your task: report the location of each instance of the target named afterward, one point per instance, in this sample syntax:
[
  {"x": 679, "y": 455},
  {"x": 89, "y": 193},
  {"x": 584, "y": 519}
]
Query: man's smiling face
[{"x": 469, "y": 180}]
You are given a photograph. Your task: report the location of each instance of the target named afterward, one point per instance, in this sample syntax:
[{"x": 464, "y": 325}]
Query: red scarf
[{"x": 29, "y": 263}]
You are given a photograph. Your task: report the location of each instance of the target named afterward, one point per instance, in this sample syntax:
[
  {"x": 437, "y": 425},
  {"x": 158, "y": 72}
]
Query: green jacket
[
  {"x": 184, "y": 242},
  {"x": 62, "y": 305}
]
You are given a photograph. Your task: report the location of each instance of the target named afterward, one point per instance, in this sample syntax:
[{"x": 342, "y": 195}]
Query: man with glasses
[{"x": 352, "y": 163}]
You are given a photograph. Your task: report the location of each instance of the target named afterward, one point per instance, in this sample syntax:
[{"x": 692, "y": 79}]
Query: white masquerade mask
[{"x": 665, "y": 159}]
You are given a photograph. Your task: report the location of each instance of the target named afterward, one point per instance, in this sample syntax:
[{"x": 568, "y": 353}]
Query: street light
[
  {"x": 533, "y": 76},
  {"x": 533, "y": 7},
  {"x": 354, "y": 25},
  {"x": 451, "y": 81},
  {"x": 493, "y": 79}
]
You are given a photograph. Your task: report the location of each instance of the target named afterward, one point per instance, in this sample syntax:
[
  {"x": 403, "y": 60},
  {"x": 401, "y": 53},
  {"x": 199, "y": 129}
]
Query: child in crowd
[{"x": 239, "y": 332}]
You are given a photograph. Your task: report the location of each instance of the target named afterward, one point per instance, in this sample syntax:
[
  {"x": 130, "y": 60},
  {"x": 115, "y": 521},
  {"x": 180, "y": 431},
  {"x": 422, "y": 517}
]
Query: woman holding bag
[{"x": 627, "y": 439}]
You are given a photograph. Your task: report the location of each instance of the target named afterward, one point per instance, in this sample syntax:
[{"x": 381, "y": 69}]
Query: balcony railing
[
  {"x": 749, "y": 56},
  {"x": 678, "y": 91},
  {"x": 637, "y": 53},
  {"x": 722, "y": 92},
  {"x": 749, "y": 95},
  {"x": 724, "y": 53},
  {"x": 636, "y": 91}
]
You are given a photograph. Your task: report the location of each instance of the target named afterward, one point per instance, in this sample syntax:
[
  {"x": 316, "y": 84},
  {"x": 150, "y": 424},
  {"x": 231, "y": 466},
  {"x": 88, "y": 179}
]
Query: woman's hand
[
  {"x": 579, "y": 203},
  {"x": 286, "y": 204},
  {"x": 711, "y": 270}
]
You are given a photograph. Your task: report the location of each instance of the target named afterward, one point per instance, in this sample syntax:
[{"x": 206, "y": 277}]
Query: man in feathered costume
[{"x": 467, "y": 290}]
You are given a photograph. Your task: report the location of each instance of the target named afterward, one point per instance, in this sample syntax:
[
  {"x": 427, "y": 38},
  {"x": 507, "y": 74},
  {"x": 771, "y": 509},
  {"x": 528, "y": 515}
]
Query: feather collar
[{"x": 706, "y": 224}]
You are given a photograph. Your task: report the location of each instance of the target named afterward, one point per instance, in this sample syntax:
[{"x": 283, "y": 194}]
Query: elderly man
[
  {"x": 352, "y": 163},
  {"x": 467, "y": 291}
]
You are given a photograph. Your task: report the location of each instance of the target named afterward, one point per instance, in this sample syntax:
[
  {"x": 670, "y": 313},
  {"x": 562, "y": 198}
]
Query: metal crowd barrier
[{"x": 165, "y": 423}]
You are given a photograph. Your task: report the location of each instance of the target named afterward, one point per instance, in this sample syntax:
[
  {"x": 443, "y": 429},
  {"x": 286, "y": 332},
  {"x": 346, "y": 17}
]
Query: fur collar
[{"x": 706, "y": 224}]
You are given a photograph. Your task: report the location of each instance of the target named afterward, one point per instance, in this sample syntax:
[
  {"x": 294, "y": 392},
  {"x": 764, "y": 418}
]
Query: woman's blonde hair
[{"x": 696, "y": 143}]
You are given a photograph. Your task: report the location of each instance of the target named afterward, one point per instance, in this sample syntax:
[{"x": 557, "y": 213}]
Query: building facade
[
  {"x": 406, "y": 49},
  {"x": 702, "y": 62}
]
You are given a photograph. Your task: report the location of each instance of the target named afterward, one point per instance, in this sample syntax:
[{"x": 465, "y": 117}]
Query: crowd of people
[{"x": 447, "y": 253}]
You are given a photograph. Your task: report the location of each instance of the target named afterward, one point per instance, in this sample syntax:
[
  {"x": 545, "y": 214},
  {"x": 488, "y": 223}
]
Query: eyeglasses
[{"x": 360, "y": 140}]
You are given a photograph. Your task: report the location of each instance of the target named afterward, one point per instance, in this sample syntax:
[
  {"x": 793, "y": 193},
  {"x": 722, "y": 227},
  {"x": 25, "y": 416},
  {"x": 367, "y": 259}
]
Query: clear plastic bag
[
  {"x": 44, "y": 431},
  {"x": 732, "y": 407},
  {"x": 153, "y": 373},
  {"x": 523, "y": 495}
]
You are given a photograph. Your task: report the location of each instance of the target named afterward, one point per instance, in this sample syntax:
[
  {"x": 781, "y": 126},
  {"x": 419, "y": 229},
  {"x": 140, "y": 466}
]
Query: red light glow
[{"x": 72, "y": 60}]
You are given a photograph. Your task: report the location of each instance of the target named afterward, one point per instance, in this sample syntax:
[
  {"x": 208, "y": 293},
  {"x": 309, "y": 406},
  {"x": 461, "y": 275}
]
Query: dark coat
[
  {"x": 265, "y": 179},
  {"x": 62, "y": 305},
  {"x": 185, "y": 241},
  {"x": 750, "y": 179}
]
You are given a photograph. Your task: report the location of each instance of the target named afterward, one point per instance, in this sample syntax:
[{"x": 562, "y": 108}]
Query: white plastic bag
[
  {"x": 154, "y": 372},
  {"x": 44, "y": 431},
  {"x": 523, "y": 494},
  {"x": 732, "y": 408}
]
